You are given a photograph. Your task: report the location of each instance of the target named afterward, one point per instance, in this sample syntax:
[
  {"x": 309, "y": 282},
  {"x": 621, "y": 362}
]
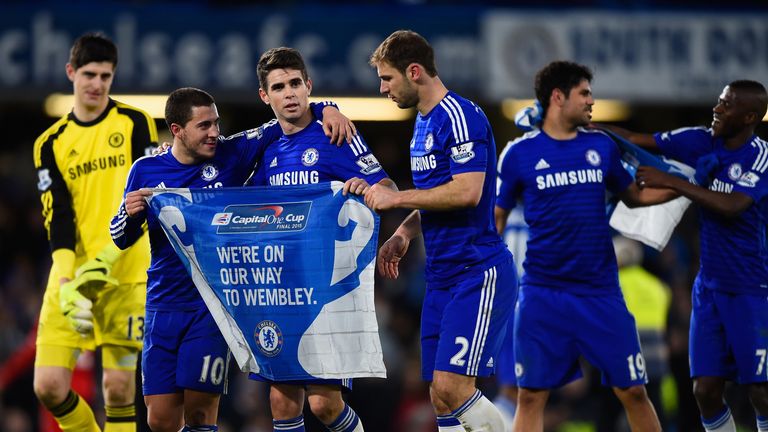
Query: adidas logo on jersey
[
  {"x": 273, "y": 163},
  {"x": 542, "y": 164},
  {"x": 73, "y": 153},
  {"x": 490, "y": 362},
  {"x": 161, "y": 186}
]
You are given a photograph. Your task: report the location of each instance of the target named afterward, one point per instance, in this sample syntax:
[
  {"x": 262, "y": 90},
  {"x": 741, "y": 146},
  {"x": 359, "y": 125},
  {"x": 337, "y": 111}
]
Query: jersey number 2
[{"x": 458, "y": 358}]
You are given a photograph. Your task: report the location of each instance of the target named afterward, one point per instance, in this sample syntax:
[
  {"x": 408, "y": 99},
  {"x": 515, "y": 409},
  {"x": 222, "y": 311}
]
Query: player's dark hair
[
  {"x": 178, "y": 107},
  {"x": 561, "y": 75},
  {"x": 279, "y": 58},
  {"x": 402, "y": 48},
  {"x": 757, "y": 96},
  {"x": 92, "y": 47}
]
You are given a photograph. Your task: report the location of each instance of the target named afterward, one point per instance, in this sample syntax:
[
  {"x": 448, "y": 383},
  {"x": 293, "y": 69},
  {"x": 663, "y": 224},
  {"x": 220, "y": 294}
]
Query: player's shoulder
[
  {"x": 53, "y": 130},
  {"x": 597, "y": 139},
  {"x": 251, "y": 134},
  {"x": 162, "y": 158},
  {"x": 459, "y": 119},
  {"x": 759, "y": 154},
  {"x": 525, "y": 141},
  {"x": 138, "y": 115},
  {"x": 456, "y": 108},
  {"x": 44, "y": 142},
  {"x": 594, "y": 134},
  {"x": 697, "y": 132}
]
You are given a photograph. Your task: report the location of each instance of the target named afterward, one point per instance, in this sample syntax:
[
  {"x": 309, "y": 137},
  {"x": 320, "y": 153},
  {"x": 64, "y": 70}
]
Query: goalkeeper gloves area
[
  {"x": 76, "y": 307},
  {"x": 93, "y": 275}
]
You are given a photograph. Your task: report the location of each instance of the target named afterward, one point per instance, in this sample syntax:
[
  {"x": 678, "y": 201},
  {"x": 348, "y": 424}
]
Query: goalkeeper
[{"x": 95, "y": 295}]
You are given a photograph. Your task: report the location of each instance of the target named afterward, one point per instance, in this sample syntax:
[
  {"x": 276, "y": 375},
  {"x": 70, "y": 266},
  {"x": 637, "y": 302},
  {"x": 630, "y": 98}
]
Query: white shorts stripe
[
  {"x": 492, "y": 288},
  {"x": 485, "y": 306},
  {"x": 481, "y": 303}
]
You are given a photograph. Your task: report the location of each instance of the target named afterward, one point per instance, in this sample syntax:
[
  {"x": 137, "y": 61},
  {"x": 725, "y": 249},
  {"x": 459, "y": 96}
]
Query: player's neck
[
  {"x": 559, "y": 129},
  {"x": 182, "y": 155},
  {"x": 430, "y": 94},
  {"x": 292, "y": 126},
  {"x": 87, "y": 114},
  {"x": 736, "y": 141}
]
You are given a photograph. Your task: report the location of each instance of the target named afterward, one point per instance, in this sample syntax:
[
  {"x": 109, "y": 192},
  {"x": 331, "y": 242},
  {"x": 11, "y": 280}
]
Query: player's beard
[{"x": 409, "y": 97}]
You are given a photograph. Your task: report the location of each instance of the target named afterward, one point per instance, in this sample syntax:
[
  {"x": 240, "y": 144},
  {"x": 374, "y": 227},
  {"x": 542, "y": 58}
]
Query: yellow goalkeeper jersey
[{"x": 82, "y": 169}]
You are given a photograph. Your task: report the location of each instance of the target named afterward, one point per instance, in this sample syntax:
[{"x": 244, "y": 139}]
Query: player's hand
[
  {"x": 76, "y": 307},
  {"x": 356, "y": 186},
  {"x": 649, "y": 177},
  {"x": 93, "y": 275},
  {"x": 337, "y": 126},
  {"x": 165, "y": 145},
  {"x": 136, "y": 203},
  {"x": 390, "y": 254},
  {"x": 379, "y": 197}
]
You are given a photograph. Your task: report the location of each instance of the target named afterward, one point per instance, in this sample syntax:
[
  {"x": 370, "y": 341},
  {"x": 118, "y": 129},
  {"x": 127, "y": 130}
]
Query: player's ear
[
  {"x": 750, "y": 118},
  {"x": 263, "y": 95},
  {"x": 70, "y": 71},
  {"x": 413, "y": 71},
  {"x": 309, "y": 86},
  {"x": 557, "y": 98},
  {"x": 176, "y": 129}
]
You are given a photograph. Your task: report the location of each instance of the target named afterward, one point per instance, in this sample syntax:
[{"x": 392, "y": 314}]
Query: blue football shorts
[
  {"x": 183, "y": 350},
  {"x": 729, "y": 335},
  {"x": 505, "y": 367},
  {"x": 463, "y": 323},
  {"x": 345, "y": 383},
  {"x": 553, "y": 328}
]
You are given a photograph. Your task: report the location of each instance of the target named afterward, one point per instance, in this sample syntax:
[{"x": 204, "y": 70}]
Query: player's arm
[
  {"x": 126, "y": 227},
  {"x": 359, "y": 186},
  {"x": 634, "y": 196},
  {"x": 394, "y": 249},
  {"x": 500, "y": 215},
  {"x": 58, "y": 215},
  {"x": 507, "y": 185},
  {"x": 643, "y": 140},
  {"x": 361, "y": 168},
  {"x": 336, "y": 125},
  {"x": 468, "y": 159},
  {"x": 729, "y": 205},
  {"x": 462, "y": 191}
]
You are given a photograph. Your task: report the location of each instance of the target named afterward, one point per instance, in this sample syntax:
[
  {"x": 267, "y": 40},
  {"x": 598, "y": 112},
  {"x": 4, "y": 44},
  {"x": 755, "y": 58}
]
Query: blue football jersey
[
  {"x": 734, "y": 255},
  {"x": 169, "y": 286},
  {"x": 563, "y": 187},
  {"x": 455, "y": 138},
  {"x": 308, "y": 157}
]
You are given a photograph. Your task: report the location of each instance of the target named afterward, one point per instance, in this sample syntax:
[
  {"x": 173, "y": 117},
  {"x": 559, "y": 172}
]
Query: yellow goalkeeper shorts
[{"x": 118, "y": 319}]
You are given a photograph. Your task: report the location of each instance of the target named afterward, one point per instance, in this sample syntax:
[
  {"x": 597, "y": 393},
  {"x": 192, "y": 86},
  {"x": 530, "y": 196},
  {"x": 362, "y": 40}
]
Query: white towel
[{"x": 651, "y": 225}]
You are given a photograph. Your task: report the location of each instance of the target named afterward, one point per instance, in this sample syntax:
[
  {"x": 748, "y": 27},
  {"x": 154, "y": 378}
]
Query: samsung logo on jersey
[
  {"x": 258, "y": 218},
  {"x": 423, "y": 163},
  {"x": 721, "y": 186},
  {"x": 90, "y": 166},
  {"x": 569, "y": 178},
  {"x": 294, "y": 178}
]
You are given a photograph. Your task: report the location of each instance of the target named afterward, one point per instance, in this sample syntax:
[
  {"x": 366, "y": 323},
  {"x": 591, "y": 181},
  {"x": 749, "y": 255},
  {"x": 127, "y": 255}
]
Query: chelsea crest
[{"x": 269, "y": 338}]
